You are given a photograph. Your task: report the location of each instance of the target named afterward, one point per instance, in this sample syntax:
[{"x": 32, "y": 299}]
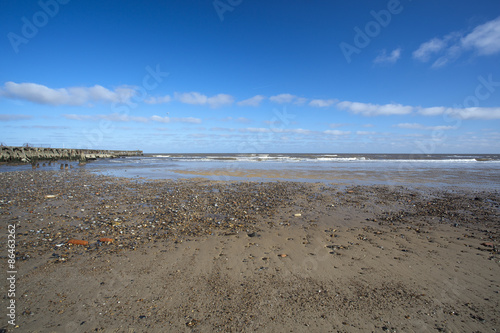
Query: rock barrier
[{"x": 33, "y": 154}]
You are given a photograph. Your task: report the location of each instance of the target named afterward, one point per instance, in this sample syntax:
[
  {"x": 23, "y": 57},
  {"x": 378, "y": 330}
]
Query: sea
[{"x": 477, "y": 171}]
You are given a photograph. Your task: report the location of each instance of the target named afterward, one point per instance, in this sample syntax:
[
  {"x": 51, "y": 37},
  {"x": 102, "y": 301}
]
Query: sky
[{"x": 240, "y": 76}]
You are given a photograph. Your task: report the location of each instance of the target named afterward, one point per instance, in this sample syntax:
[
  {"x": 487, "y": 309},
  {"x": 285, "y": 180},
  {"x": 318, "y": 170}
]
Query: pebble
[{"x": 133, "y": 213}]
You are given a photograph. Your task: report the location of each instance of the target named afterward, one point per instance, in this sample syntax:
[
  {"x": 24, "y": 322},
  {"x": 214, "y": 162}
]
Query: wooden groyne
[{"x": 32, "y": 154}]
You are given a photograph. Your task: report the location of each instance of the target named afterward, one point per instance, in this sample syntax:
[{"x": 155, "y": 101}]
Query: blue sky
[{"x": 252, "y": 77}]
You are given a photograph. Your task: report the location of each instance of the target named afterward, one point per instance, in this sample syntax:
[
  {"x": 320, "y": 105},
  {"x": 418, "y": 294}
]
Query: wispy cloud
[
  {"x": 80, "y": 117},
  {"x": 432, "y": 111},
  {"x": 337, "y": 132},
  {"x": 191, "y": 98},
  {"x": 195, "y": 98},
  {"x": 11, "y": 117},
  {"x": 46, "y": 127},
  {"x": 75, "y": 96},
  {"x": 423, "y": 127},
  {"x": 123, "y": 118},
  {"x": 384, "y": 58},
  {"x": 241, "y": 120},
  {"x": 282, "y": 98},
  {"x": 336, "y": 125},
  {"x": 222, "y": 129},
  {"x": 275, "y": 130},
  {"x": 483, "y": 40},
  {"x": 287, "y": 98},
  {"x": 255, "y": 130},
  {"x": 367, "y": 109},
  {"x": 158, "y": 100},
  {"x": 424, "y": 52},
  {"x": 253, "y": 101},
  {"x": 116, "y": 117},
  {"x": 483, "y": 113},
  {"x": 322, "y": 103},
  {"x": 189, "y": 120}
]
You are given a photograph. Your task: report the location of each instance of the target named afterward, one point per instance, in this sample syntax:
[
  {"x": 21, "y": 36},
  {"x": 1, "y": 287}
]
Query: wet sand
[
  {"x": 197, "y": 256},
  {"x": 404, "y": 176}
]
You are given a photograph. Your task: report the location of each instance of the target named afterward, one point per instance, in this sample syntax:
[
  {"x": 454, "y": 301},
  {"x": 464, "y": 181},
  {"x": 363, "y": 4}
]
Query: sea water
[{"x": 481, "y": 171}]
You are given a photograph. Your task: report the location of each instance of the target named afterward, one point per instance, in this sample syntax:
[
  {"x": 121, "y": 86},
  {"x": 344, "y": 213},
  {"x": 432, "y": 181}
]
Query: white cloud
[
  {"x": 337, "y": 132},
  {"x": 76, "y": 96},
  {"x": 287, "y": 98},
  {"x": 298, "y": 131},
  {"x": 483, "y": 113},
  {"x": 116, "y": 117},
  {"x": 423, "y": 127},
  {"x": 432, "y": 111},
  {"x": 365, "y": 133},
  {"x": 300, "y": 100},
  {"x": 46, "y": 127},
  {"x": 410, "y": 126},
  {"x": 160, "y": 119},
  {"x": 196, "y": 98},
  {"x": 253, "y": 101},
  {"x": 255, "y": 130},
  {"x": 276, "y": 130},
  {"x": 220, "y": 100},
  {"x": 367, "y": 109},
  {"x": 79, "y": 117},
  {"x": 10, "y": 117},
  {"x": 336, "y": 125},
  {"x": 158, "y": 100},
  {"x": 175, "y": 120},
  {"x": 191, "y": 98},
  {"x": 322, "y": 103},
  {"x": 441, "y": 128},
  {"x": 391, "y": 58},
  {"x": 424, "y": 52},
  {"x": 475, "y": 113},
  {"x": 282, "y": 98},
  {"x": 483, "y": 39},
  {"x": 222, "y": 129},
  {"x": 451, "y": 54},
  {"x": 243, "y": 120},
  {"x": 122, "y": 118}
]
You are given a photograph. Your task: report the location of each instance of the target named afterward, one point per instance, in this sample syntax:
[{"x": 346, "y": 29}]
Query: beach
[{"x": 198, "y": 255}]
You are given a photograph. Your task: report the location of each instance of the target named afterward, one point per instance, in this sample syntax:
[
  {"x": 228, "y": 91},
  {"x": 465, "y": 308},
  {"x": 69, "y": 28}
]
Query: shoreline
[
  {"x": 198, "y": 255},
  {"x": 481, "y": 175}
]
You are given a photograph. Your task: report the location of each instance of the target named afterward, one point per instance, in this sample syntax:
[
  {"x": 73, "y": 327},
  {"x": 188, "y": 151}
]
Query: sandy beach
[{"x": 201, "y": 256}]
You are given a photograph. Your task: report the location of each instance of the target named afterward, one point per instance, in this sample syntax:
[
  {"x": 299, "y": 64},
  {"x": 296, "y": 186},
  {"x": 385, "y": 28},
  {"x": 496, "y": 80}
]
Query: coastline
[{"x": 198, "y": 255}]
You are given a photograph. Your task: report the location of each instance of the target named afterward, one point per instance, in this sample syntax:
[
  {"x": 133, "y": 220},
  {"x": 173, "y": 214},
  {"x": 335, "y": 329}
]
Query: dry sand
[{"x": 200, "y": 256}]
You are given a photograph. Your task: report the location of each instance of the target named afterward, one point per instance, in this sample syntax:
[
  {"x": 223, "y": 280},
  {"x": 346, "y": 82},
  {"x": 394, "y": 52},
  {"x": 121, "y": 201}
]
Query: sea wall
[{"x": 32, "y": 154}]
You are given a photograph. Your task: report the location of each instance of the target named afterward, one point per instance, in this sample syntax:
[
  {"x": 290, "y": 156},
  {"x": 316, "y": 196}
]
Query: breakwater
[{"x": 33, "y": 154}]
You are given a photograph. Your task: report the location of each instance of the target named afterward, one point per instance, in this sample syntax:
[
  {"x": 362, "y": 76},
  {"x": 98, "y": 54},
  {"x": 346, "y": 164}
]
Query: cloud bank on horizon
[{"x": 436, "y": 85}]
